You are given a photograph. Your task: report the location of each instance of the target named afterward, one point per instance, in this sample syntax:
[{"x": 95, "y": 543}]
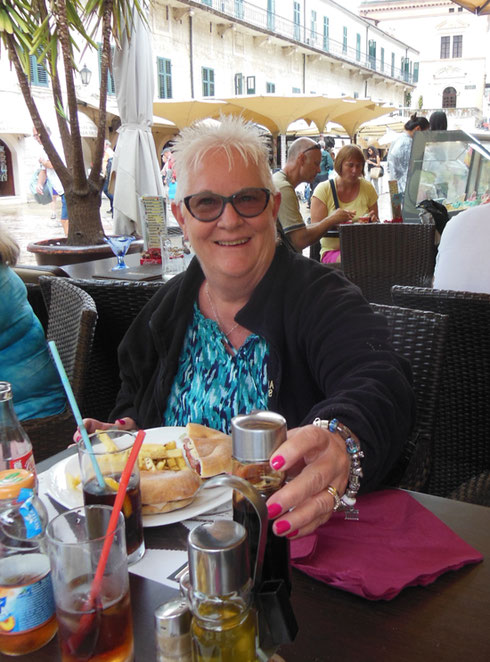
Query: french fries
[
  {"x": 158, "y": 457},
  {"x": 152, "y": 457},
  {"x": 110, "y": 446},
  {"x": 73, "y": 481}
]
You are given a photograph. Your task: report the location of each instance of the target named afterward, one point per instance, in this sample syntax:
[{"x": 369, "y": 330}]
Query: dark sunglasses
[
  {"x": 248, "y": 202},
  {"x": 317, "y": 146}
]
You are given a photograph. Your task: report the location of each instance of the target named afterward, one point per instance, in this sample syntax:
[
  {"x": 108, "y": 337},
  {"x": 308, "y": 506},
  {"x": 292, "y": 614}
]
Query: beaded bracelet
[{"x": 353, "y": 447}]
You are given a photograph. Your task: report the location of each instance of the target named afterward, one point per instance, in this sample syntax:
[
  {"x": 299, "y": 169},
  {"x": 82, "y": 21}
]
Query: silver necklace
[{"x": 215, "y": 313}]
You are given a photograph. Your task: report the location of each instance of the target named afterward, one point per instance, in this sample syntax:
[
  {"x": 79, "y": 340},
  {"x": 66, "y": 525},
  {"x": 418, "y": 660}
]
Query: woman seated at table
[
  {"x": 25, "y": 361},
  {"x": 251, "y": 325},
  {"x": 347, "y": 197}
]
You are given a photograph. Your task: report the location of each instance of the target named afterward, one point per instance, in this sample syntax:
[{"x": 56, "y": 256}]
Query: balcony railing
[
  {"x": 261, "y": 18},
  {"x": 457, "y": 113}
]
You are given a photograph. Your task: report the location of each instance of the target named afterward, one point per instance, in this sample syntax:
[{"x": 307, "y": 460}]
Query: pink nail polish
[
  {"x": 277, "y": 462},
  {"x": 121, "y": 421},
  {"x": 292, "y": 534},
  {"x": 273, "y": 509},
  {"x": 282, "y": 526}
]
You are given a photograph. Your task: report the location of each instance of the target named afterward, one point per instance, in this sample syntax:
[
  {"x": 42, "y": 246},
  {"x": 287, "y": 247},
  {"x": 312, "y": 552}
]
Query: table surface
[
  {"x": 447, "y": 620},
  {"x": 91, "y": 267}
]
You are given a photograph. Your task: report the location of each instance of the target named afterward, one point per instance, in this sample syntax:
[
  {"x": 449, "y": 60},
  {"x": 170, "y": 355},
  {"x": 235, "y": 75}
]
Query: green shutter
[
  {"x": 164, "y": 68},
  {"x": 38, "y": 73},
  {"x": 111, "y": 88}
]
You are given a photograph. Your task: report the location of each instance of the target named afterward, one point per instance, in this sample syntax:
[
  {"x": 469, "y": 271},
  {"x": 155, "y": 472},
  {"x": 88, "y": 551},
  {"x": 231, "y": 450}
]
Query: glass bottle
[
  {"x": 255, "y": 437},
  {"x": 224, "y": 623},
  {"x": 15, "y": 446},
  {"x": 27, "y": 610}
]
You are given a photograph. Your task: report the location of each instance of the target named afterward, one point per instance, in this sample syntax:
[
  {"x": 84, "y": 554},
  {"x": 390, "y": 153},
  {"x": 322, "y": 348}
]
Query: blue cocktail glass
[{"x": 120, "y": 245}]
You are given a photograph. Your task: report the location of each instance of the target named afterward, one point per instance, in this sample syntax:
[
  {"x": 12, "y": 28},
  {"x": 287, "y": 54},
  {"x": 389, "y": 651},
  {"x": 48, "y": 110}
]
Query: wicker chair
[
  {"x": 418, "y": 336},
  {"x": 377, "y": 256},
  {"x": 36, "y": 299},
  {"x": 71, "y": 323},
  {"x": 118, "y": 303},
  {"x": 461, "y": 446}
]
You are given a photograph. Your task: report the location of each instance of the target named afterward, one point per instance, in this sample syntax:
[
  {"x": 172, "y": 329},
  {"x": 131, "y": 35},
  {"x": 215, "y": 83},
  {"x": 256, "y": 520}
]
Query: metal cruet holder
[{"x": 219, "y": 565}]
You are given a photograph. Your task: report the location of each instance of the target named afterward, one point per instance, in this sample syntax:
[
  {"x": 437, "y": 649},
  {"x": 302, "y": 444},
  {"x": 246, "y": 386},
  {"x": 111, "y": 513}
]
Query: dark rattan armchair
[
  {"x": 118, "y": 303},
  {"x": 378, "y": 255},
  {"x": 71, "y": 323},
  {"x": 418, "y": 336},
  {"x": 461, "y": 463}
]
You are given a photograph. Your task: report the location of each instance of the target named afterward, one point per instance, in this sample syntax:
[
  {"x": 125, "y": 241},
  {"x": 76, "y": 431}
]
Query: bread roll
[
  {"x": 163, "y": 491},
  {"x": 208, "y": 451}
]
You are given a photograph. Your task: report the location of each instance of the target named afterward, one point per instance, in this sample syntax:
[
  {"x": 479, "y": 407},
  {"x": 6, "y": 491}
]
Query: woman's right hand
[{"x": 92, "y": 424}]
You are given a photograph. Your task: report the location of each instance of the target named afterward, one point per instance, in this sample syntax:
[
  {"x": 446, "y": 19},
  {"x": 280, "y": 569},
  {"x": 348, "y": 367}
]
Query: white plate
[{"x": 58, "y": 488}]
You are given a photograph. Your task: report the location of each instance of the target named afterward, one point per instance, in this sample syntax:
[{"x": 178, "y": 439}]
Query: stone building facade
[
  {"x": 454, "y": 47},
  {"x": 222, "y": 48}
]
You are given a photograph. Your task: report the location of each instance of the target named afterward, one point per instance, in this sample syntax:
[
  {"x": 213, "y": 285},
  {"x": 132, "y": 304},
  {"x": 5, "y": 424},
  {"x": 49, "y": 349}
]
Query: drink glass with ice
[
  {"x": 99, "y": 629},
  {"x": 110, "y": 450}
]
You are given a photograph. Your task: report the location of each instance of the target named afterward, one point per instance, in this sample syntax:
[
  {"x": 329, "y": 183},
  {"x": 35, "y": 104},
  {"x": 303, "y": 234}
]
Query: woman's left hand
[{"x": 319, "y": 459}]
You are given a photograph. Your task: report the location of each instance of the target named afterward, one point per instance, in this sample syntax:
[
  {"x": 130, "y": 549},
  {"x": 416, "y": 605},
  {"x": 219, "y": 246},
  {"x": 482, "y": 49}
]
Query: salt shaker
[{"x": 172, "y": 631}]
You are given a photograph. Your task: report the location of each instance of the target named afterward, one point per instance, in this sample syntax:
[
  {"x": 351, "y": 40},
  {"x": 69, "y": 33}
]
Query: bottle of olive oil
[{"x": 224, "y": 621}]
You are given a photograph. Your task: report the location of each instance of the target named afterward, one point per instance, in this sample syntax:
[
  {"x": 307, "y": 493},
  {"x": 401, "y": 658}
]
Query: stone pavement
[{"x": 31, "y": 221}]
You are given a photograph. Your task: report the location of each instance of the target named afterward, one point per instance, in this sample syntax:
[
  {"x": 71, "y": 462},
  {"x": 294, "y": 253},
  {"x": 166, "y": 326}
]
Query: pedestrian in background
[{"x": 48, "y": 174}]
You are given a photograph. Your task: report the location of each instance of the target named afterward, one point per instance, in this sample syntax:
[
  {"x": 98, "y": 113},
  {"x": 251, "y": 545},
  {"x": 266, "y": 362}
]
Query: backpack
[{"x": 438, "y": 212}]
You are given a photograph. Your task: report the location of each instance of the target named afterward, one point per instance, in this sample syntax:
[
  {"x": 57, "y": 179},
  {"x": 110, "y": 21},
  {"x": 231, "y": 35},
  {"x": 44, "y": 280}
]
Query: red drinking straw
[{"x": 87, "y": 618}]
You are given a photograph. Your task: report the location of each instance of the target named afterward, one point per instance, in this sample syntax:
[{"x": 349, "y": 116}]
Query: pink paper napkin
[{"x": 396, "y": 543}]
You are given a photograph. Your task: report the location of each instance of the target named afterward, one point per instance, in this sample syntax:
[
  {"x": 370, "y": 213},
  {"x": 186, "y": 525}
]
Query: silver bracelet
[{"x": 347, "y": 501}]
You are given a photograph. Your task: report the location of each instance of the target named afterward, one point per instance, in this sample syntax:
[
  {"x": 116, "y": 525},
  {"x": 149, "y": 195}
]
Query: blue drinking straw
[{"x": 76, "y": 411}]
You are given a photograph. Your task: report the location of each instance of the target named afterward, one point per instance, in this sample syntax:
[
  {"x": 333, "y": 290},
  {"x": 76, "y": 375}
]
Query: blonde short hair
[{"x": 230, "y": 136}]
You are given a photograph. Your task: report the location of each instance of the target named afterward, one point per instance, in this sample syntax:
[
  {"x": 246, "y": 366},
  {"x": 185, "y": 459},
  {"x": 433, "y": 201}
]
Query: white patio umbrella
[{"x": 135, "y": 163}]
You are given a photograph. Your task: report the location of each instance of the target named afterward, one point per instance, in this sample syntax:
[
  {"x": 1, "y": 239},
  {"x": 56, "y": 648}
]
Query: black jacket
[{"x": 329, "y": 355}]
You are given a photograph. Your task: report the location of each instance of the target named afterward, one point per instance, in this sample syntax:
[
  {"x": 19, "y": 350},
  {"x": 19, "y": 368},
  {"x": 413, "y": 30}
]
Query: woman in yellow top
[{"x": 356, "y": 198}]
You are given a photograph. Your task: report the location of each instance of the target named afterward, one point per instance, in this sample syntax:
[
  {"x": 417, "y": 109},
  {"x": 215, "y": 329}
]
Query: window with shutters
[
  {"x": 111, "y": 88},
  {"x": 458, "y": 45},
  {"x": 239, "y": 8},
  {"x": 297, "y": 20},
  {"x": 207, "y": 82},
  {"x": 39, "y": 74},
  {"x": 250, "y": 84},
  {"x": 270, "y": 88},
  {"x": 164, "y": 68},
  {"x": 313, "y": 27},
  {"x": 358, "y": 47},
  {"x": 445, "y": 47},
  {"x": 415, "y": 72},
  {"x": 372, "y": 53},
  {"x": 238, "y": 83},
  {"x": 326, "y": 29},
  {"x": 271, "y": 14},
  {"x": 344, "y": 40}
]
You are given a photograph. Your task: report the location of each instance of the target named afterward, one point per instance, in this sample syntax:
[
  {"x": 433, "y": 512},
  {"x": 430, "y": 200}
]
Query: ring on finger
[{"x": 336, "y": 498}]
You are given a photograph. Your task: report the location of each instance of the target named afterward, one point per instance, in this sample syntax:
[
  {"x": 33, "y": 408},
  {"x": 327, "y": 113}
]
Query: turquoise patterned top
[{"x": 211, "y": 385}]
